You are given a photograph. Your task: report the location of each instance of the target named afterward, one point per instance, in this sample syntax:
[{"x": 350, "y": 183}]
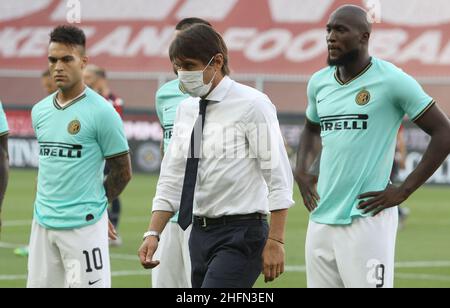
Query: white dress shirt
[{"x": 244, "y": 167}]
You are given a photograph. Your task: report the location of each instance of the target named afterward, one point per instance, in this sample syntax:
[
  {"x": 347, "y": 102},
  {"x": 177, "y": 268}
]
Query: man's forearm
[
  {"x": 161, "y": 149},
  {"x": 277, "y": 225},
  {"x": 436, "y": 153},
  {"x": 118, "y": 176},
  {"x": 159, "y": 220},
  {"x": 309, "y": 148}
]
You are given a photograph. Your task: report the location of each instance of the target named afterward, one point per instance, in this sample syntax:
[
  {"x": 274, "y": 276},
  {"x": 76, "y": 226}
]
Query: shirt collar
[{"x": 221, "y": 90}]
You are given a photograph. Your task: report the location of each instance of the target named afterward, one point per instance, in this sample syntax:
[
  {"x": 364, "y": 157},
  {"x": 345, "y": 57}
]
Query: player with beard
[{"x": 355, "y": 108}]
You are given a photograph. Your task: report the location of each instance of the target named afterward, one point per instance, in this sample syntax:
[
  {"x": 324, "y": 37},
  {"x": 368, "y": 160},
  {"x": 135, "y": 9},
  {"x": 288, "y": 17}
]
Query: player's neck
[
  {"x": 351, "y": 70},
  {"x": 65, "y": 96}
]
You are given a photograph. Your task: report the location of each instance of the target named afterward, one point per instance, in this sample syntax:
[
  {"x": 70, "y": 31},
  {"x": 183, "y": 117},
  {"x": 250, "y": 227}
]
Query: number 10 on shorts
[{"x": 96, "y": 257}]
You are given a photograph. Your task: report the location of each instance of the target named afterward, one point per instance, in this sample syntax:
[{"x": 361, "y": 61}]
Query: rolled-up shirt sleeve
[{"x": 268, "y": 147}]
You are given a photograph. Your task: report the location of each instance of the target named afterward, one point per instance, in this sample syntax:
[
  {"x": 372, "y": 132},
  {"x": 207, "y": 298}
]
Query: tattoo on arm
[{"x": 118, "y": 177}]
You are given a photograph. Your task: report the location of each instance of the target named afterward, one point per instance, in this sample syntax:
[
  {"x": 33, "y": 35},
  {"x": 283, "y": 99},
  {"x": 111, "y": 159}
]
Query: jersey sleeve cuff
[
  {"x": 421, "y": 113},
  {"x": 117, "y": 155}
]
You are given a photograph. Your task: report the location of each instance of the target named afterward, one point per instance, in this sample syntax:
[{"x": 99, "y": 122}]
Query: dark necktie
[{"x": 190, "y": 175}]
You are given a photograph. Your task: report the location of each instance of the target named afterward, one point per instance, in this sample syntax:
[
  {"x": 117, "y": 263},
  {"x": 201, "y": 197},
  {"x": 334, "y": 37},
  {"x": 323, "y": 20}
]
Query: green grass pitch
[{"x": 423, "y": 246}]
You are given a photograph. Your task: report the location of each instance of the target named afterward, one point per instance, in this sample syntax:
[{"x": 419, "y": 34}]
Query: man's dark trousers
[{"x": 227, "y": 255}]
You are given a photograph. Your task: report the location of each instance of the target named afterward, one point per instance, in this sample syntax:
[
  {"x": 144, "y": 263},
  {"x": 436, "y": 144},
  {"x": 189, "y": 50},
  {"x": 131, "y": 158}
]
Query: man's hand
[
  {"x": 273, "y": 260},
  {"x": 147, "y": 251},
  {"x": 381, "y": 200},
  {"x": 308, "y": 154},
  {"x": 307, "y": 185},
  {"x": 112, "y": 233}
]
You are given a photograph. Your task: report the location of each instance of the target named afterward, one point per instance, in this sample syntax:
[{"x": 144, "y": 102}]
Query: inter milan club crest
[
  {"x": 363, "y": 98},
  {"x": 74, "y": 127}
]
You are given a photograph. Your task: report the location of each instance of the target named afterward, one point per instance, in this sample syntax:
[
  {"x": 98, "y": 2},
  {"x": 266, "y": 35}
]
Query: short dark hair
[
  {"x": 199, "y": 42},
  {"x": 68, "y": 35},
  {"x": 190, "y": 21}
]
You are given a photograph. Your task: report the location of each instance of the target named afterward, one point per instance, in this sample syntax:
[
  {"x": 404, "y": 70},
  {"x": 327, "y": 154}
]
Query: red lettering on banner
[{"x": 274, "y": 37}]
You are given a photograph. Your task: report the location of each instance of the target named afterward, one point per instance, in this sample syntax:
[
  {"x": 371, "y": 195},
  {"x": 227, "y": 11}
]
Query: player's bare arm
[
  {"x": 4, "y": 168},
  {"x": 436, "y": 124},
  {"x": 273, "y": 253},
  {"x": 118, "y": 177},
  {"x": 161, "y": 149},
  {"x": 401, "y": 144},
  {"x": 148, "y": 248},
  {"x": 308, "y": 151},
  {"x": 116, "y": 181}
]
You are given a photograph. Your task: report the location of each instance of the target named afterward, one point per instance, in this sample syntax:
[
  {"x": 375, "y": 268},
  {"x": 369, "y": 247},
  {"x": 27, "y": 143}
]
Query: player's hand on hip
[
  {"x": 307, "y": 185},
  {"x": 146, "y": 252},
  {"x": 381, "y": 200},
  {"x": 273, "y": 260}
]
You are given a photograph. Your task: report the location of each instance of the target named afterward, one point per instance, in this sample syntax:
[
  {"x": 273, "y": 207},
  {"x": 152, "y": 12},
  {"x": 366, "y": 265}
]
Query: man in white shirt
[{"x": 225, "y": 177}]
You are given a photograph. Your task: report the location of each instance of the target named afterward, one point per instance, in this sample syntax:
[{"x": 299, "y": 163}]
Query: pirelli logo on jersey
[
  {"x": 344, "y": 122},
  {"x": 56, "y": 149}
]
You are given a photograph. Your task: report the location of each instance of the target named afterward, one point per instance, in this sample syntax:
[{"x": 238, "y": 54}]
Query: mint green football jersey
[
  {"x": 167, "y": 99},
  {"x": 3, "y": 123},
  {"x": 74, "y": 142},
  {"x": 359, "y": 123}
]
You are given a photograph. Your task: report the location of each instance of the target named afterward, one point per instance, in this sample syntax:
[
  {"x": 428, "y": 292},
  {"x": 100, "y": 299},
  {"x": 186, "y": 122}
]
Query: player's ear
[
  {"x": 218, "y": 62},
  {"x": 365, "y": 37},
  {"x": 84, "y": 61}
]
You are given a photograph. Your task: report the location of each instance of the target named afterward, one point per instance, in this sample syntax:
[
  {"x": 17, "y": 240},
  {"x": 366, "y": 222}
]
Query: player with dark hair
[{"x": 76, "y": 131}]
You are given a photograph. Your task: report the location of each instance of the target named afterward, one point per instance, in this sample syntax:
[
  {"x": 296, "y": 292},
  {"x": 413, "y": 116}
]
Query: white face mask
[{"x": 191, "y": 82}]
